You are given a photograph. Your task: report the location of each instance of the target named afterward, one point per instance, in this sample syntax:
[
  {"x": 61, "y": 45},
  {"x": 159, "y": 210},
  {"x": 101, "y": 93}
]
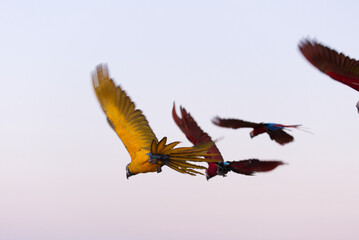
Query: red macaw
[
  {"x": 197, "y": 136},
  {"x": 275, "y": 131},
  {"x": 146, "y": 152},
  {"x": 336, "y": 65}
]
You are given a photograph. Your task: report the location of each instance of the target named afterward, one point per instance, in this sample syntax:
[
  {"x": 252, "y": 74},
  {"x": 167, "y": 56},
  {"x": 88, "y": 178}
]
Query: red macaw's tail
[
  {"x": 296, "y": 126},
  {"x": 292, "y": 126},
  {"x": 251, "y": 166},
  {"x": 179, "y": 158},
  {"x": 285, "y": 126}
]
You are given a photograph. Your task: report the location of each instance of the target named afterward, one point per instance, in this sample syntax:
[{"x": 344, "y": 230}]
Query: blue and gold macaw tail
[{"x": 179, "y": 158}]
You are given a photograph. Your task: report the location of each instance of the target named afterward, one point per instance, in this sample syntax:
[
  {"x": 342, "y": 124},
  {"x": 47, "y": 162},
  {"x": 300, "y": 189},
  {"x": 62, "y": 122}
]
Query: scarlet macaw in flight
[
  {"x": 147, "y": 154},
  {"x": 336, "y": 65},
  {"x": 275, "y": 131},
  {"x": 197, "y": 136}
]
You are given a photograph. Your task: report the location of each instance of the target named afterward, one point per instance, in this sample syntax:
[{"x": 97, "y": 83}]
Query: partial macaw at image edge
[{"x": 336, "y": 65}]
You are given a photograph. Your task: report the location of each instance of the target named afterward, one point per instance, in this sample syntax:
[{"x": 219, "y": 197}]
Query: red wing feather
[
  {"x": 193, "y": 132},
  {"x": 234, "y": 123},
  {"x": 251, "y": 166},
  {"x": 336, "y": 65},
  {"x": 280, "y": 136}
]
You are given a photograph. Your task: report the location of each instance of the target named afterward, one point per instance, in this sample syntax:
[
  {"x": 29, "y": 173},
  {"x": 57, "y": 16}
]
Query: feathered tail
[{"x": 179, "y": 158}]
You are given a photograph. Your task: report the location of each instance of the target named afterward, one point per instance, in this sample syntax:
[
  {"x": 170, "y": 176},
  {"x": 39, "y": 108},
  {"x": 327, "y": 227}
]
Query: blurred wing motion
[
  {"x": 194, "y": 133},
  {"x": 129, "y": 123},
  {"x": 280, "y": 136},
  {"x": 334, "y": 64},
  {"x": 234, "y": 123},
  {"x": 275, "y": 131},
  {"x": 147, "y": 154},
  {"x": 197, "y": 136},
  {"x": 250, "y": 166}
]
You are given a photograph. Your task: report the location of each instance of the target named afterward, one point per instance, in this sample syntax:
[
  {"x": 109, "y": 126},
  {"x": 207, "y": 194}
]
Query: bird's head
[
  {"x": 211, "y": 171},
  {"x": 128, "y": 172},
  {"x": 252, "y": 134}
]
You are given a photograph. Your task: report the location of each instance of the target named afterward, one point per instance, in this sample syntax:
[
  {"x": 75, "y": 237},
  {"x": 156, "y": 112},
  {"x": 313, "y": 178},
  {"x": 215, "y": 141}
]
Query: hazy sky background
[{"x": 62, "y": 169}]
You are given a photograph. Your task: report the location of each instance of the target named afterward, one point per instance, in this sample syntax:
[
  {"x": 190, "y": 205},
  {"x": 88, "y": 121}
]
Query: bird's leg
[
  {"x": 221, "y": 169},
  {"x": 158, "y": 159}
]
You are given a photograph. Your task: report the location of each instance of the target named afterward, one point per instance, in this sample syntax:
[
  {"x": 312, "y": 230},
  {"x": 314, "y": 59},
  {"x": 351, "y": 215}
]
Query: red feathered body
[
  {"x": 197, "y": 136},
  {"x": 275, "y": 131}
]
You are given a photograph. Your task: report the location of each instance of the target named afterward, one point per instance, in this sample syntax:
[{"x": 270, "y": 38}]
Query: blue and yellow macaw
[{"x": 147, "y": 154}]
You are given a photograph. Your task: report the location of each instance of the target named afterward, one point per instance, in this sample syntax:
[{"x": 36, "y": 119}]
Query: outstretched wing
[
  {"x": 280, "y": 136},
  {"x": 251, "y": 166},
  {"x": 234, "y": 123},
  {"x": 336, "y": 65},
  {"x": 194, "y": 133},
  {"x": 129, "y": 123}
]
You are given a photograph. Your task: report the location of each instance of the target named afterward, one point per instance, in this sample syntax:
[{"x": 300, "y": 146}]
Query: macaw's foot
[{"x": 158, "y": 158}]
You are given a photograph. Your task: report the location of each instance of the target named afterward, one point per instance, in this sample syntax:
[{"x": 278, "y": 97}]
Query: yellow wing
[{"x": 129, "y": 123}]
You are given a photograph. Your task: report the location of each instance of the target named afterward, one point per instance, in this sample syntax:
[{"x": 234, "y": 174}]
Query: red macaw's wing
[
  {"x": 251, "y": 166},
  {"x": 194, "y": 133},
  {"x": 234, "y": 123},
  {"x": 336, "y": 65},
  {"x": 280, "y": 136}
]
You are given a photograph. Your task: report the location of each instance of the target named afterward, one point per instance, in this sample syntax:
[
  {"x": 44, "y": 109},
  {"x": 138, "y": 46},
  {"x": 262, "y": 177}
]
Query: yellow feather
[
  {"x": 133, "y": 129},
  {"x": 153, "y": 147},
  {"x": 180, "y": 170},
  {"x": 161, "y": 144},
  {"x": 129, "y": 123},
  {"x": 188, "y": 165},
  {"x": 167, "y": 149}
]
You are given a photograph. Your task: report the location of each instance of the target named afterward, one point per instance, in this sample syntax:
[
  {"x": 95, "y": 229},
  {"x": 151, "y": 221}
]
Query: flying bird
[
  {"x": 146, "y": 152},
  {"x": 197, "y": 136},
  {"x": 275, "y": 131},
  {"x": 336, "y": 65}
]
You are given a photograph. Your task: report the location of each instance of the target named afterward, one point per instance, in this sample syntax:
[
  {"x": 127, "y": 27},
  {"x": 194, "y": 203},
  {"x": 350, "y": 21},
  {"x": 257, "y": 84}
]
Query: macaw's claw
[{"x": 158, "y": 158}]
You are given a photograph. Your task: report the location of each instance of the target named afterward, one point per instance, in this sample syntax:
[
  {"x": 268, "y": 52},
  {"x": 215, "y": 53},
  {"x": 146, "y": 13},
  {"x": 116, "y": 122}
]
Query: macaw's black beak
[
  {"x": 358, "y": 106},
  {"x": 128, "y": 173},
  {"x": 251, "y": 134}
]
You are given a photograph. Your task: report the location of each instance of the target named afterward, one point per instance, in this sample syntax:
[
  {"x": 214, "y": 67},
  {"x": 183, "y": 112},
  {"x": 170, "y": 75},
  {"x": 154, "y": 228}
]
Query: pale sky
[{"x": 62, "y": 168}]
